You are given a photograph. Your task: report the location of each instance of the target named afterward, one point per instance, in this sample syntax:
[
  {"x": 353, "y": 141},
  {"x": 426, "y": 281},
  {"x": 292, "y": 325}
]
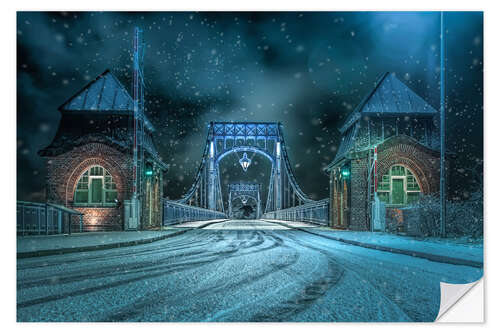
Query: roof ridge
[
  {"x": 365, "y": 99},
  {"x": 85, "y": 87}
]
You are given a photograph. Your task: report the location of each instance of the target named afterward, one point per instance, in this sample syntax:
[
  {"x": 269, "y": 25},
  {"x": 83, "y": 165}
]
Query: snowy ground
[
  {"x": 297, "y": 224},
  {"x": 246, "y": 225},
  {"x": 443, "y": 248},
  {"x": 234, "y": 275},
  {"x": 194, "y": 224},
  {"x": 55, "y": 242}
]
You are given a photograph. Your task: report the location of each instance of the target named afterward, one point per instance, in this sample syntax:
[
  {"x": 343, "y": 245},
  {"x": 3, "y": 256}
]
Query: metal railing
[
  {"x": 35, "y": 218},
  {"x": 314, "y": 212},
  {"x": 175, "y": 212}
]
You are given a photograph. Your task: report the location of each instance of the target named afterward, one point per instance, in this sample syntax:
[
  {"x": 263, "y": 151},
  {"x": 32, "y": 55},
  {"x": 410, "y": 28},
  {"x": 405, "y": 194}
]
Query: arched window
[
  {"x": 95, "y": 187},
  {"x": 398, "y": 186}
]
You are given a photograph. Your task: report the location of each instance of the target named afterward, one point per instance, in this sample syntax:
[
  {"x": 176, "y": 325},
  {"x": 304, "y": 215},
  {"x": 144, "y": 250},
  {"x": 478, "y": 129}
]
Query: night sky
[{"x": 307, "y": 70}]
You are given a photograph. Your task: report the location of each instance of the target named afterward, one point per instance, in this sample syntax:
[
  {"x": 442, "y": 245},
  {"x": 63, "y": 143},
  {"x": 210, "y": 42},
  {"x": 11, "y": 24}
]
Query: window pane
[
  {"x": 96, "y": 187},
  {"x": 110, "y": 196},
  {"x": 411, "y": 184},
  {"x": 383, "y": 196},
  {"x": 398, "y": 170},
  {"x": 96, "y": 171},
  {"x": 82, "y": 185},
  {"x": 385, "y": 183},
  {"x": 413, "y": 197},
  {"x": 81, "y": 196}
]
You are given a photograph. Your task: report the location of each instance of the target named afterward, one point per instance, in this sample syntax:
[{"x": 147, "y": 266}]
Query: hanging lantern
[
  {"x": 245, "y": 162},
  {"x": 244, "y": 200}
]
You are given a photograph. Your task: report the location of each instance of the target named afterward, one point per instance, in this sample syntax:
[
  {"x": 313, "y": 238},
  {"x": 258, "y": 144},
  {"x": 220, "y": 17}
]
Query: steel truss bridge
[
  {"x": 265, "y": 139},
  {"x": 244, "y": 191}
]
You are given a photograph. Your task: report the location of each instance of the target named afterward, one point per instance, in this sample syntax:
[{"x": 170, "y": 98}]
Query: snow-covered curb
[
  {"x": 410, "y": 252},
  {"x": 104, "y": 246}
]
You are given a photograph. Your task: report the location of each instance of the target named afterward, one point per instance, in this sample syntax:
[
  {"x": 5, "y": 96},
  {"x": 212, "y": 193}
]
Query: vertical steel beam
[
  {"x": 39, "y": 220},
  {"x": 59, "y": 222},
  {"x": 258, "y": 203},
  {"x": 211, "y": 175},
  {"x": 278, "y": 190},
  {"x": 46, "y": 219},
  {"x": 23, "y": 226}
]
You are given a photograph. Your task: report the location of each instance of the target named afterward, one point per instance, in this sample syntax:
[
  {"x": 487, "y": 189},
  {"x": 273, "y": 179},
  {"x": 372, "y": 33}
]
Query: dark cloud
[{"x": 307, "y": 70}]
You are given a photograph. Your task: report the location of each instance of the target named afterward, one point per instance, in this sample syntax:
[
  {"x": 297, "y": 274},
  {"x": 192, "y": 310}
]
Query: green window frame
[
  {"x": 95, "y": 187},
  {"x": 398, "y": 186}
]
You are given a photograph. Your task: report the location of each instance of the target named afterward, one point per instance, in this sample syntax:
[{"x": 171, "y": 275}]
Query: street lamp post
[{"x": 442, "y": 180}]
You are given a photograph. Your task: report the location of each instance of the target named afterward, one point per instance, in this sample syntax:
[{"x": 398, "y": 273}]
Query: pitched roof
[
  {"x": 390, "y": 96},
  {"x": 103, "y": 94},
  {"x": 346, "y": 143}
]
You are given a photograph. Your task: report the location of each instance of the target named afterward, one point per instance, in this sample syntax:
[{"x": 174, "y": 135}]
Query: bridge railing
[
  {"x": 36, "y": 218},
  {"x": 316, "y": 212},
  {"x": 175, "y": 212}
]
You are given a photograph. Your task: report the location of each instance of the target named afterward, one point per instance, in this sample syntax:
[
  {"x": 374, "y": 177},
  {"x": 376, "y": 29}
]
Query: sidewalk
[
  {"x": 445, "y": 251},
  {"x": 36, "y": 246}
]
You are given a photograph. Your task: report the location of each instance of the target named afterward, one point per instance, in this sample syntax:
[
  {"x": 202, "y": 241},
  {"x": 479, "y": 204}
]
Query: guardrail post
[
  {"x": 59, "y": 222},
  {"x": 39, "y": 220},
  {"x": 46, "y": 219},
  {"x": 22, "y": 220},
  {"x": 69, "y": 224}
]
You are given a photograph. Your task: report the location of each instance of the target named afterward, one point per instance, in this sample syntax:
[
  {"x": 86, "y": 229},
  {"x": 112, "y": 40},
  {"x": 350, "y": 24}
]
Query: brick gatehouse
[
  {"x": 90, "y": 161},
  {"x": 403, "y": 127}
]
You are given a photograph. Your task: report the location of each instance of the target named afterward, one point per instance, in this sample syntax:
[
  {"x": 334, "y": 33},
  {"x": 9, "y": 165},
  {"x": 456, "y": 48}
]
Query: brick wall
[
  {"x": 423, "y": 162},
  {"x": 64, "y": 171},
  {"x": 359, "y": 205}
]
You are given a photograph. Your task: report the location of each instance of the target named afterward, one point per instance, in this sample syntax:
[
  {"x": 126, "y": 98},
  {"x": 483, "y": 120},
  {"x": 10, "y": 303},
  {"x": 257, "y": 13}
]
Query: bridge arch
[
  {"x": 265, "y": 139},
  {"x": 239, "y": 149}
]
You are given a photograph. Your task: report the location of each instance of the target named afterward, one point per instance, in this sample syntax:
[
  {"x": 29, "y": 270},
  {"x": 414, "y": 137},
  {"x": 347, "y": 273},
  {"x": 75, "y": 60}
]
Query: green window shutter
[
  {"x": 96, "y": 186},
  {"x": 412, "y": 197},
  {"x": 82, "y": 196},
  {"x": 383, "y": 196},
  {"x": 110, "y": 196},
  {"x": 398, "y": 191}
]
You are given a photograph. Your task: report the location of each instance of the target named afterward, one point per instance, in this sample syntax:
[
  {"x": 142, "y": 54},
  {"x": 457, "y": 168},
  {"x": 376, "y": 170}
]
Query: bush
[{"x": 463, "y": 218}]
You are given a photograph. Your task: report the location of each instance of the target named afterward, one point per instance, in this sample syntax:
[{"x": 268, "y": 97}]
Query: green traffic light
[{"x": 149, "y": 170}]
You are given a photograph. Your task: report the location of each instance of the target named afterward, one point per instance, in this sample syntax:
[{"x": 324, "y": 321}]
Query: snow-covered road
[{"x": 268, "y": 274}]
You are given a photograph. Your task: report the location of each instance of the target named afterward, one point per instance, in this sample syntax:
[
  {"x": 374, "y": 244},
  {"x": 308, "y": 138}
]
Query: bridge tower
[
  {"x": 278, "y": 190},
  {"x": 211, "y": 177}
]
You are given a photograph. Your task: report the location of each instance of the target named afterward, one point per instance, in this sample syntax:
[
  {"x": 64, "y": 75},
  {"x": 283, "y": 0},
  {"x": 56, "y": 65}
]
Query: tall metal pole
[
  {"x": 138, "y": 99},
  {"x": 135, "y": 93},
  {"x": 442, "y": 181}
]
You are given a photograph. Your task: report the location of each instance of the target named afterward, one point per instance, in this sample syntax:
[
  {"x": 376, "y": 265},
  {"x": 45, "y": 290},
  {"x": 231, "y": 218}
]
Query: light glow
[{"x": 245, "y": 162}]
